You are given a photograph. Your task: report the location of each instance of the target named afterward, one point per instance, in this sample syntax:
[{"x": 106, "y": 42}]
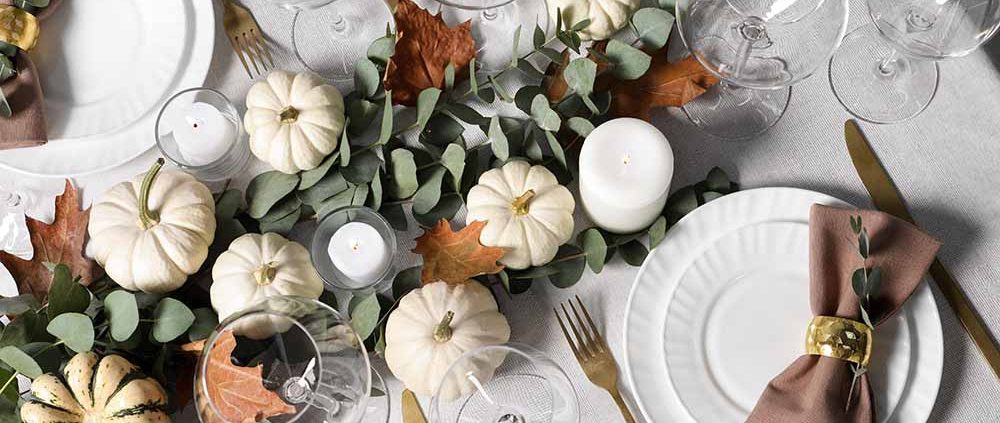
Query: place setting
[{"x": 449, "y": 211}]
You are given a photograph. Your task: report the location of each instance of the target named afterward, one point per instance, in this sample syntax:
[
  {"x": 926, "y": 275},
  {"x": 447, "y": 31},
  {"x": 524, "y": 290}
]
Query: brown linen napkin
[
  {"x": 27, "y": 127},
  {"x": 814, "y": 388}
]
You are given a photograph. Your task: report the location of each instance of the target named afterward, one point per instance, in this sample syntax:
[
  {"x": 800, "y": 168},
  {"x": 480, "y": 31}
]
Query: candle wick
[{"x": 627, "y": 158}]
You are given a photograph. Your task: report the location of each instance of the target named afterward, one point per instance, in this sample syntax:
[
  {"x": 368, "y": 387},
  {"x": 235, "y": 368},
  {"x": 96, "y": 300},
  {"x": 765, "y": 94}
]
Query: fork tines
[{"x": 586, "y": 341}]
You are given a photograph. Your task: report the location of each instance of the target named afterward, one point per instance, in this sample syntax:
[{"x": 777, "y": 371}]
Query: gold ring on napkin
[
  {"x": 18, "y": 27},
  {"x": 839, "y": 338}
]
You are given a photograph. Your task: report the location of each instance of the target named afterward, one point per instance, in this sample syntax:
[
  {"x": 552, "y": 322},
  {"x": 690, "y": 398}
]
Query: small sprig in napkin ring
[{"x": 865, "y": 281}]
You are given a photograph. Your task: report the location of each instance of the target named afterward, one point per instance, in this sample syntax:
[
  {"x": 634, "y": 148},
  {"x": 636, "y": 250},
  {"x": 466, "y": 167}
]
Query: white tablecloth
[{"x": 945, "y": 162}]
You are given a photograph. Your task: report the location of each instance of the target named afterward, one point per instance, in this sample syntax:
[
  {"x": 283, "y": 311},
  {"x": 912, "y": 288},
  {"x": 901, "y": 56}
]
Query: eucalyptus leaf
[
  {"x": 525, "y": 96},
  {"x": 580, "y": 126},
  {"x": 543, "y": 115},
  {"x": 866, "y": 318},
  {"x": 449, "y": 76},
  {"x": 569, "y": 270},
  {"x": 538, "y": 37},
  {"x": 382, "y": 49},
  {"x": 682, "y": 202},
  {"x": 385, "y": 131},
  {"x": 596, "y": 247},
  {"x": 516, "y": 46},
  {"x": 366, "y": 78},
  {"x": 396, "y": 217},
  {"x": 529, "y": 69},
  {"x": 360, "y": 195},
  {"x": 123, "y": 314},
  {"x": 856, "y": 224},
  {"x": 363, "y": 168},
  {"x": 441, "y": 130},
  {"x": 375, "y": 197},
  {"x": 628, "y": 62},
  {"x": 652, "y": 26},
  {"x": 446, "y": 208},
  {"x": 283, "y": 209},
  {"x": 634, "y": 252},
  {"x": 10, "y": 395},
  {"x": 13, "y": 306},
  {"x": 487, "y": 95},
  {"x": 7, "y": 69},
  {"x": 345, "y": 147},
  {"x": 557, "y": 149},
  {"x": 403, "y": 169},
  {"x": 473, "y": 82},
  {"x": 266, "y": 190},
  {"x": 20, "y": 362},
  {"x": 657, "y": 231},
  {"x": 205, "y": 321},
  {"x": 466, "y": 114},
  {"x": 327, "y": 187},
  {"x": 863, "y": 243},
  {"x": 498, "y": 140},
  {"x": 858, "y": 283},
  {"x": 66, "y": 295},
  {"x": 171, "y": 319},
  {"x": 580, "y": 75},
  {"x": 46, "y": 354},
  {"x": 429, "y": 193},
  {"x": 26, "y": 328},
  {"x": 581, "y": 25},
  {"x": 718, "y": 181},
  {"x": 532, "y": 148},
  {"x": 76, "y": 330},
  {"x": 311, "y": 177},
  {"x": 230, "y": 202},
  {"x": 361, "y": 113},
  {"x": 551, "y": 54},
  {"x": 341, "y": 200},
  {"x": 5, "y": 110},
  {"x": 364, "y": 313},
  {"x": 453, "y": 159},
  {"x": 282, "y": 225},
  {"x": 667, "y": 4},
  {"x": 426, "y": 102},
  {"x": 500, "y": 90},
  {"x": 405, "y": 281},
  {"x": 874, "y": 282},
  {"x": 8, "y": 49},
  {"x": 9, "y": 409}
]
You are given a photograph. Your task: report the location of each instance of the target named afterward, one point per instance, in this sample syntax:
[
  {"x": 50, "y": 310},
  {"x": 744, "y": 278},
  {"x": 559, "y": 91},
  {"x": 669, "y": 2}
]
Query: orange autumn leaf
[
  {"x": 454, "y": 257},
  {"x": 62, "y": 242},
  {"x": 665, "y": 84},
  {"x": 425, "y": 46},
  {"x": 238, "y": 393}
]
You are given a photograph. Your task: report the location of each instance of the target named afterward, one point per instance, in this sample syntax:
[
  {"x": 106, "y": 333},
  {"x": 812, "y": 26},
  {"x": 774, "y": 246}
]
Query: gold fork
[
  {"x": 246, "y": 38},
  {"x": 592, "y": 352}
]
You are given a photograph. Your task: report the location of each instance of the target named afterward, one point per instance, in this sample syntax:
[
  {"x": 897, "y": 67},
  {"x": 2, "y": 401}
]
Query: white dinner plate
[
  {"x": 106, "y": 68},
  {"x": 720, "y": 308}
]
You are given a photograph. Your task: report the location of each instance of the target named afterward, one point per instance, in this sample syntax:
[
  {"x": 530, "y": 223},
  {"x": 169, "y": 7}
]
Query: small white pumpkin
[
  {"x": 154, "y": 231},
  {"x": 606, "y": 16},
  {"x": 98, "y": 391},
  {"x": 527, "y": 213},
  {"x": 294, "y": 120},
  {"x": 256, "y": 267},
  {"x": 433, "y": 326}
]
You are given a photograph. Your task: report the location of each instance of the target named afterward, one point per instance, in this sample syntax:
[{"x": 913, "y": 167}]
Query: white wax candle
[
  {"x": 625, "y": 170},
  {"x": 359, "y": 252},
  {"x": 202, "y": 133}
]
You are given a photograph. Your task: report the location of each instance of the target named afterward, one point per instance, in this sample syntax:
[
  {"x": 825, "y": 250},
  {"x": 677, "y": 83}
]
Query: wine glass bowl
[
  {"x": 936, "y": 29},
  {"x": 494, "y": 23}
]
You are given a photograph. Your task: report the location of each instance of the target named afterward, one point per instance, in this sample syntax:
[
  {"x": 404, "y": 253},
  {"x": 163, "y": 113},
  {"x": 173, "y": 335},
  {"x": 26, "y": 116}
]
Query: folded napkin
[
  {"x": 814, "y": 389},
  {"x": 27, "y": 126}
]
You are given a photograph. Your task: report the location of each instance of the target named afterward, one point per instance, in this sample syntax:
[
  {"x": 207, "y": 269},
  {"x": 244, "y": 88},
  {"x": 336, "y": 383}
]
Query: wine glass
[
  {"x": 494, "y": 25},
  {"x": 14, "y": 236},
  {"x": 886, "y": 72},
  {"x": 509, "y": 383},
  {"x": 311, "y": 362},
  {"x": 759, "y": 49},
  {"x": 330, "y": 36}
]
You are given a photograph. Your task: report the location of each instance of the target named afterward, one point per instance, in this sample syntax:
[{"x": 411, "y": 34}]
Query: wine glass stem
[
  {"x": 887, "y": 66},
  {"x": 10, "y": 198},
  {"x": 339, "y": 24}
]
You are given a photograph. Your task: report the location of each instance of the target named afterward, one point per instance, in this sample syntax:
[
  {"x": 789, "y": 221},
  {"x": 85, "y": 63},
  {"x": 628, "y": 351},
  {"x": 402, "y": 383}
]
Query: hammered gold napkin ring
[
  {"x": 839, "y": 338},
  {"x": 18, "y": 27}
]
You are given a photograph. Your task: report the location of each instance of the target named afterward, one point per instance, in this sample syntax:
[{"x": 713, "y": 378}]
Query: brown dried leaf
[
  {"x": 665, "y": 84},
  {"x": 454, "y": 257},
  {"x": 424, "y": 47},
  {"x": 61, "y": 242},
  {"x": 238, "y": 393}
]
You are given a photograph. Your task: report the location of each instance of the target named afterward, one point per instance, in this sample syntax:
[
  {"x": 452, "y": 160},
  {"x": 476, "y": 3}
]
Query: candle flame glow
[{"x": 193, "y": 121}]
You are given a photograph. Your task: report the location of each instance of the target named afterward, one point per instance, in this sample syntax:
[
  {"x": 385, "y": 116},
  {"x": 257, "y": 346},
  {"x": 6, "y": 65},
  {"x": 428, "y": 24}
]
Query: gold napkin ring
[
  {"x": 18, "y": 27},
  {"x": 840, "y": 338}
]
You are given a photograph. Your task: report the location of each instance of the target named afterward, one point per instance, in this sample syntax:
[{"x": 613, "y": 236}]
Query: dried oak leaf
[
  {"x": 454, "y": 257},
  {"x": 238, "y": 393},
  {"x": 425, "y": 46},
  {"x": 665, "y": 84},
  {"x": 61, "y": 242}
]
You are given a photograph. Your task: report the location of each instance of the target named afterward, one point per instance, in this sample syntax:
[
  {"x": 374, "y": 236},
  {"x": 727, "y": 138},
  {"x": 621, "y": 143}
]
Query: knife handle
[{"x": 973, "y": 324}]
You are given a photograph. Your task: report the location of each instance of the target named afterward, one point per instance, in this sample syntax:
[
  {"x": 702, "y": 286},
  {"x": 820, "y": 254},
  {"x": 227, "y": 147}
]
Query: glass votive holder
[
  {"x": 353, "y": 249},
  {"x": 200, "y": 131}
]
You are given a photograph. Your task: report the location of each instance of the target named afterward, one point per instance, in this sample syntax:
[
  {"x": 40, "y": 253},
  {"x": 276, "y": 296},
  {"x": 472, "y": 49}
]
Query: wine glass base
[
  {"x": 735, "y": 113},
  {"x": 870, "y": 91},
  {"x": 329, "y": 40},
  {"x": 379, "y": 407}
]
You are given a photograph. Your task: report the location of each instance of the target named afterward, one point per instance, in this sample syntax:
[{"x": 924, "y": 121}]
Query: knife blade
[
  {"x": 887, "y": 198},
  {"x": 412, "y": 413}
]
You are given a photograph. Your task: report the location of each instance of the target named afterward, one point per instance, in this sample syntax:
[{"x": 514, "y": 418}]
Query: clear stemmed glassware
[
  {"x": 330, "y": 36},
  {"x": 309, "y": 356},
  {"x": 759, "y": 49},
  {"x": 886, "y": 72},
  {"x": 494, "y": 23},
  {"x": 14, "y": 236},
  {"x": 527, "y": 387}
]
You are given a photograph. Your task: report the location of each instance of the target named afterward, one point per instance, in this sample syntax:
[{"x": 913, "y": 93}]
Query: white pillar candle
[
  {"x": 359, "y": 252},
  {"x": 202, "y": 133},
  {"x": 625, "y": 170}
]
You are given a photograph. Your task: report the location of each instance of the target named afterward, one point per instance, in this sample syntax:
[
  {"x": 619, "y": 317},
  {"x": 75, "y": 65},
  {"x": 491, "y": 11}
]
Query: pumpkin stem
[
  {"x": 265, "y": 274},
  {"x": 442, "y": 333},
  {"x": 288, "y": 115},
  {"x": 520, "y": 204},
  {"x": 148, "y": 218}
]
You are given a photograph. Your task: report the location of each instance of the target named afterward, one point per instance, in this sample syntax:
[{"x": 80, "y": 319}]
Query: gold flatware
[
  {"x": 412, "y": 413},
  {"x": 592, "y": 351},
  {"x": 245, "y": 36},
  {"x": 887, "y": 198}
]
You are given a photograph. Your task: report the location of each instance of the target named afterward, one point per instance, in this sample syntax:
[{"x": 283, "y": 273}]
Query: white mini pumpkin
[
  {"x": 256, "y": 267},
  {"x": 527, "y": 213},
  {"x": 433, "y": 326},
  {"x": 96, "y": 391},
  {"x": 154, "y": 231},
  {"x": 606, "y": 16},
  {"x": 294, "y": 120}
]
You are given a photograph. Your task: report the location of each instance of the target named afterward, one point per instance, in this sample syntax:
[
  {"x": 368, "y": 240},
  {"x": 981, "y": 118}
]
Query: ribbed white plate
[
  {"x": 106, "y": 68},
  {"x": 698, "y": 347}
]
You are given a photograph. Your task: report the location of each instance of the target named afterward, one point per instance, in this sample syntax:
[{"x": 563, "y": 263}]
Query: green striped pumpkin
[{"x": 96, "y": 390}]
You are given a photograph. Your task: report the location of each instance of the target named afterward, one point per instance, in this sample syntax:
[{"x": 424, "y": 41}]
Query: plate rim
[{"x": 925, "y": 302}]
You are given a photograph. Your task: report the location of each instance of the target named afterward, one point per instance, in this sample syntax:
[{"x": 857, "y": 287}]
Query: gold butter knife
[
  {"x": 412, "y": 413},
  {"x": 887, "y": 198}
]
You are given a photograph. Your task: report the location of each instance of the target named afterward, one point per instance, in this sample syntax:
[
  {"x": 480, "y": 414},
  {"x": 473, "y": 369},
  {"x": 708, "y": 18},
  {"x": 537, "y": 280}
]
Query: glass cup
[
  {"x": 353, "y": 249},
  {"x": 200, "y": 131},
  {"x": 509, "y": 383}
]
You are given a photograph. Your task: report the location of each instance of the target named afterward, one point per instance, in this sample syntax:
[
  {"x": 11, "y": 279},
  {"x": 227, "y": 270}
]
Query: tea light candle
[
  {"x": 203, "y": 134},
  {"x": 359, "y": 252},
  {"x": 625, "y": 170}
]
